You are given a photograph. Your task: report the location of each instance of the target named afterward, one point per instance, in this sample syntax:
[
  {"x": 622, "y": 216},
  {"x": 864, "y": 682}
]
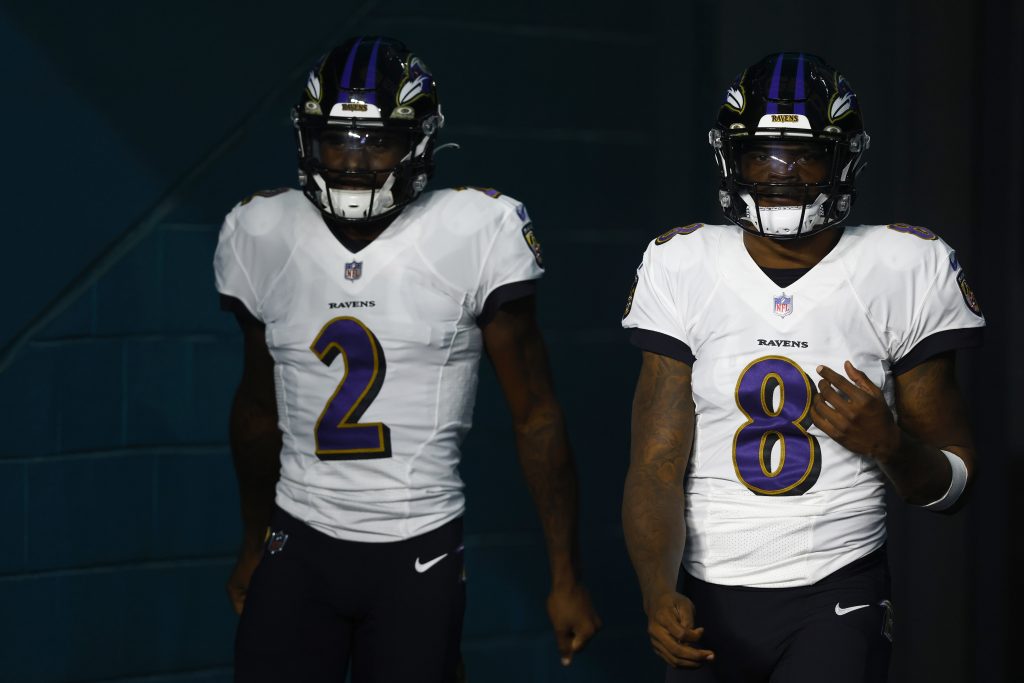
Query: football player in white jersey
[
  {"x": 791, "y": 368},
  {"x": 365, "y": 304}
]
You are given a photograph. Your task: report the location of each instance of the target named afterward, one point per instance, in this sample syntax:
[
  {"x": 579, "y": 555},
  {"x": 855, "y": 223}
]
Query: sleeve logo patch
[
  {"x": 533, "y": 243},
  {"x": 684, "y": 230},
  {"x": 968, "y": 294},
  {"x": 915, "y": 230},
  {"x": 632, "y": 291}
]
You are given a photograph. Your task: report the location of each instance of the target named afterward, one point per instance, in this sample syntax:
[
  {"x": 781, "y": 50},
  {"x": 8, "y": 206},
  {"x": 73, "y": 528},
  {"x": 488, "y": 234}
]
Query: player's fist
[
  {"x": 238, "y": 583},
  {"x": 573, "y": 618},
  {"x": 853, "y": 412},
  {"x": 670, "y": 619}
]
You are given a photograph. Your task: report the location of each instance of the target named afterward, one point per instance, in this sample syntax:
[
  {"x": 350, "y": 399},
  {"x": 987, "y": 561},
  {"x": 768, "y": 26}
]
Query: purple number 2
[
  {"x": 785, "y": 422},
  {"x": 339, "y": 435}
]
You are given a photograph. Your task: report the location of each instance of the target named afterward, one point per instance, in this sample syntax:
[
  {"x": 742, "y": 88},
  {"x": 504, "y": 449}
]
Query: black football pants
[
  {"x": 316, "y": 604},
  {"x": 837, "y": 630}
]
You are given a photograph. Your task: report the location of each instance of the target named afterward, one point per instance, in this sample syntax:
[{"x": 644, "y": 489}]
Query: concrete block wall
[{"x": 117, "y": 483}]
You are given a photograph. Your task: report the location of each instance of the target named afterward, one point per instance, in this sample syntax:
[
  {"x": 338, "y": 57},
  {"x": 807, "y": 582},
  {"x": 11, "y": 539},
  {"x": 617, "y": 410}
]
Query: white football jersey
[
  {"x": 771, "y": 501},
  {"x": 375, "y": 352}
]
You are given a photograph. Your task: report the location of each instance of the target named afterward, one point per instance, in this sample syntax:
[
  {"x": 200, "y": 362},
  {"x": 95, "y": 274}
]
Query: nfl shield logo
[
  {"x": 783, "y": 305},
  {"x": 353, "y": 270}
]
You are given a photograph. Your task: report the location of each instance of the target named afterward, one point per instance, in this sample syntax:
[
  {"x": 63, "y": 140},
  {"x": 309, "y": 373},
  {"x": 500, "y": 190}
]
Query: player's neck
[
  {"x": 356, "y": 236},
  {"x": 802, "y": 253}
]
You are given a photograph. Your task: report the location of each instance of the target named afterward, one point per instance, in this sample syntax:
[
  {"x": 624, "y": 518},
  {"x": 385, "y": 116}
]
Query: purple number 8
[
  {"x": 339, "y": 435},
  {"x": 767, "y": 424}
]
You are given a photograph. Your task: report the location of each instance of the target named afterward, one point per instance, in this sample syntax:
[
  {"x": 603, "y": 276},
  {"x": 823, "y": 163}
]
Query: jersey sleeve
[
  {"x": 232, "y": 278},
  {"x": 653, "y": 310},
  {"x": 943, "y": 314},
  {"x": 511, "y": 263}
]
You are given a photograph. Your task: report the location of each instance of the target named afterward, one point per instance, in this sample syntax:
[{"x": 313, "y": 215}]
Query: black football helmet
[
  {"x": 789, "y": 143},
  {"x": 367, "y": 95}
]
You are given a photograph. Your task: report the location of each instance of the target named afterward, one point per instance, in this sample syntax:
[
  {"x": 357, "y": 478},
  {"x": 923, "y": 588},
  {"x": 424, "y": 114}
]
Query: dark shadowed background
[{"x": 132, "y": 128}]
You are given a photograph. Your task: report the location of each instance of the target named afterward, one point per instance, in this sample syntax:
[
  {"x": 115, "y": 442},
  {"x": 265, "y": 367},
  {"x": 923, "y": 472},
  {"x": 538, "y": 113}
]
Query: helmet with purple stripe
[
  {"x": 366, "y": 126},
  {"x": 789, "y": 142}
]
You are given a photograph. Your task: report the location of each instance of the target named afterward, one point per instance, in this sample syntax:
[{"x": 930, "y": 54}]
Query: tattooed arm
[
  {"x": 931, "y": 416},
  {"x": 652, "y": 506},
  {"x": 516, "y": 349}
]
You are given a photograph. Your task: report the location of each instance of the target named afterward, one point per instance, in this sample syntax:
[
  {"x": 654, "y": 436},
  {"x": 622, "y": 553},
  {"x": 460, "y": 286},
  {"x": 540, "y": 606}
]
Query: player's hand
[
  {"x": 854, "y": 413},
  {"x": 238, "y": 582},
  {"x": 670, "y": 626},
  {"x": 573, "y": 618}
]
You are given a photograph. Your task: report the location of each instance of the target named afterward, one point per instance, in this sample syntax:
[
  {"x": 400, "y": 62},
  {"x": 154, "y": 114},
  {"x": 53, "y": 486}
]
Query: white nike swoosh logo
[
  {"x": 846, "y": 610},
  {"x": 424, "y": 566}
]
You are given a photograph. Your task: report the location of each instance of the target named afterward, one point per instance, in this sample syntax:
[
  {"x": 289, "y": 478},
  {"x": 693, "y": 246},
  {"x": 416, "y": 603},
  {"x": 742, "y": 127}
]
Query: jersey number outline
[
  {"x": 338, "y": 433},
  {"x": 787, "y": 423}
]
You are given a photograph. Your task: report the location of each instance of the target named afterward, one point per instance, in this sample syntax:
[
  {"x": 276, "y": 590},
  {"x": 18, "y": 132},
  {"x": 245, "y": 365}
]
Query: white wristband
[{"x": 956, "y": 484}]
